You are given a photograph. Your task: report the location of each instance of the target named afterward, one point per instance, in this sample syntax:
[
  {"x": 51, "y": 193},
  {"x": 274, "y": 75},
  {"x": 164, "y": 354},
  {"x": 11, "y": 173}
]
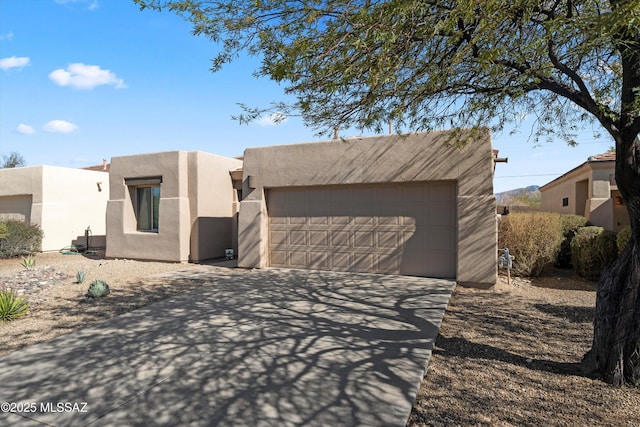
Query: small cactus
[
  {"x": 98, "y": 289},
  {"x": 11, "y": 305},
  {"x": 29, "y": 262},
  {"x": 80, "y": 276}
]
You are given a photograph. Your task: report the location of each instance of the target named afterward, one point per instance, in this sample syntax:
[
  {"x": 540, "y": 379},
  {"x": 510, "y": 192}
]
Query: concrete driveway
[{"x": 257, "y": 348}]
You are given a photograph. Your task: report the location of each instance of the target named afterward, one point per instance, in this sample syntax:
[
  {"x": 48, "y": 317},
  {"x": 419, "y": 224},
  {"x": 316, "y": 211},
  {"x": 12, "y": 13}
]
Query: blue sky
[{"x": 83, "y": 80}]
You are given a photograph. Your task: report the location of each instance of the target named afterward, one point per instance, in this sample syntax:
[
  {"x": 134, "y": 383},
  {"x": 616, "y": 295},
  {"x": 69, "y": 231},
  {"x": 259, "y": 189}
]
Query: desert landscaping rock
[{"x": 58, "y": 304}]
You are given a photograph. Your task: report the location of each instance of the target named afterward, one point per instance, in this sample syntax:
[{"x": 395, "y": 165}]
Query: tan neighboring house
[
  {"x": 588, "y": 190},
  {"x": 172, "y": 206},
  {"x": 63, "y": 201},
  {"x": 400, "y": 204}
]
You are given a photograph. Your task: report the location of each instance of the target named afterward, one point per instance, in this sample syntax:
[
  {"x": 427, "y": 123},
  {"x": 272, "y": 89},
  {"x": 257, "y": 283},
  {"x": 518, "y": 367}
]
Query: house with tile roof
[{"x": 589, "y": 190}]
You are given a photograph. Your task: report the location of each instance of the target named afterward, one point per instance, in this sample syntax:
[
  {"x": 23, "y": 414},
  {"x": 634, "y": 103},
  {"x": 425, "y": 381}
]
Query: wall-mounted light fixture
[
  {"x": 99, "y": 184},
  {"x": 619, "y": 201}
]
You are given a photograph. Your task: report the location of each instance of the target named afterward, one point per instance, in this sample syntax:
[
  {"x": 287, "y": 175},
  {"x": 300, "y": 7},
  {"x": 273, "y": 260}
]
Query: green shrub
[
  {"x": 98, "y": 289},
  {"x": 3, "y": 230},
  {"x": 592, "y": 250},
  {"x": 11, "y": 305},
  {"x": 570, "y": 224},
  {"x": 533, "y": 238},
  {"x": 623, "y": 238},
  {"x": 21, "y": 239}
]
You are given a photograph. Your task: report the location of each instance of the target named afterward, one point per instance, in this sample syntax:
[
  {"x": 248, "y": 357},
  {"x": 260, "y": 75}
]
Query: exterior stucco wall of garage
[
  {"x": 64, "y": 201},
  {"x": 195, "y": 208},
  {"x": 422, "y": 157}
]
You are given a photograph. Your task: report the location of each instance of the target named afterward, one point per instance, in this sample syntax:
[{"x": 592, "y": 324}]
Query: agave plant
[
  {"x": 80, "y": 276},
  {"x": 98, "y": 289},
  {"x": 29, "y": 262},
  {"x": 11, "y": 305}
]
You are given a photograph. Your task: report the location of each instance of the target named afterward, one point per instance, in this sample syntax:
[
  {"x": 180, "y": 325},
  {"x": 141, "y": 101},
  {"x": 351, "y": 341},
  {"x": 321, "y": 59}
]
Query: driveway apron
[{"x": 249, "y": 348}]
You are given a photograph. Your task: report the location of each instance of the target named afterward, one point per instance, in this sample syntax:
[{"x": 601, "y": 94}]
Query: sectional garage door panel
[{"x": 383, "y": 228}]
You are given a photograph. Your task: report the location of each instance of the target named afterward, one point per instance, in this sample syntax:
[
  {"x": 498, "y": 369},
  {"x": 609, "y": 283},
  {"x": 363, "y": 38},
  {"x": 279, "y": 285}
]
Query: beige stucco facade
[
  {"x": 196, "y": 211},
  {"x": 588, "y": 190},
  {"x": 429, "y": 158},
  {"x": 63, "y": 201}
]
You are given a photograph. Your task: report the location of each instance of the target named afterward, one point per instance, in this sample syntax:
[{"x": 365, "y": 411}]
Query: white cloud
[
  {"x": 25, "y": 129},
  {"x": 93, "y": 4},
  {"x": 60, "y": 126},
  {"x": 84, "y": 76},
  {"x": 272, "y": 119},
  {"x": 14, "y": 62},
  {"x": 7, "y": 36}
]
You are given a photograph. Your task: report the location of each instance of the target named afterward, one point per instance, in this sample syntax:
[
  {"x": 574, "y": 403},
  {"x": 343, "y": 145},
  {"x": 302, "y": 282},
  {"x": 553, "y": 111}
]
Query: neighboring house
[
  {"x": 104, "y": 167},
  {"x": 400, "y": 204},
  {"x": 63, "y": 201},
  {"x": 589, "y": 190},
  {"x": 171, "y": 206}
]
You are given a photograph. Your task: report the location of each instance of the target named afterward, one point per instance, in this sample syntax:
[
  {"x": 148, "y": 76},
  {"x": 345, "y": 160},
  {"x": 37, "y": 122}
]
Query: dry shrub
[
  {"x": 20, "y": 239},
  {"x": 533, "y": 238},
  {"x": 592, "y": 250}
]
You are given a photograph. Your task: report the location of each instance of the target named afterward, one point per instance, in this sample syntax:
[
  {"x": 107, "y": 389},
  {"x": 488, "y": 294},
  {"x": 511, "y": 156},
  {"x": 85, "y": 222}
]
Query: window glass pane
[
  {"x": 156, "y": 206},
  {"x": 148, "y": 203},
  {"x": 143, "y": 206}
]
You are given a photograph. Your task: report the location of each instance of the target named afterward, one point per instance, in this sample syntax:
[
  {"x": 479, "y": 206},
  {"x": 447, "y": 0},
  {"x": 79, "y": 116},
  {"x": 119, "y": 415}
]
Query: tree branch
[{"x": 569, "y": 72}]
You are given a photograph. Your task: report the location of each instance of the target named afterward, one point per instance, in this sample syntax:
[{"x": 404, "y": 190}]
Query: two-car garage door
[{"x": 407, "y": 228}]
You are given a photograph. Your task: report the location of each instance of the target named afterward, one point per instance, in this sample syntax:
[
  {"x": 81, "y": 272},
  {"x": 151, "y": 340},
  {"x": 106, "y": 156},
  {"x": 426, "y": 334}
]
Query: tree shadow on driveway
[{"x": 268, "y": 347}]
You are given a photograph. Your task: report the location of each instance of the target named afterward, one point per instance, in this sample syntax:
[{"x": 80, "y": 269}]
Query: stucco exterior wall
[
  {"x": 388, "y": 159},
  {"x": 620, "y": 213},
  {"x": 552, "y": 194},
  {"x": 213, "y": 205},
  {"x": 195, "y": 211},
  {"x": 65, "y": 201},
  {"x": 590, "y": 189}
]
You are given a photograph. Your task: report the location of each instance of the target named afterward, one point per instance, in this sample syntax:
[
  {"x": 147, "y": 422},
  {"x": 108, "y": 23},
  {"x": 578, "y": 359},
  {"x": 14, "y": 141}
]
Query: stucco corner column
[
  {"x": 477, "y": 241},
  {"x": 252, "y": 233}
]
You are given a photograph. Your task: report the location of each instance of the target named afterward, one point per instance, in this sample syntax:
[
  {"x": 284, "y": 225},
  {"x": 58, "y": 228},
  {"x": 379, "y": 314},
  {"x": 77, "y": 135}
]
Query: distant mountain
[{"x": 527, "y": 196}]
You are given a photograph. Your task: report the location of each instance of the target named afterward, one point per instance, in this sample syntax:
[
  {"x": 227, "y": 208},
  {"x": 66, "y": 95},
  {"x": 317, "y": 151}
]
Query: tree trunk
[{"x": 615, "y": 352}]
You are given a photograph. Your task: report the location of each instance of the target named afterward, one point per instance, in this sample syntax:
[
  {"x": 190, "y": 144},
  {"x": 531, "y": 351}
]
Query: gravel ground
[
  {"x": 58, "y": 304},
  {"x": 511, "y": 357},
  {"x": 504, "y": 357}
]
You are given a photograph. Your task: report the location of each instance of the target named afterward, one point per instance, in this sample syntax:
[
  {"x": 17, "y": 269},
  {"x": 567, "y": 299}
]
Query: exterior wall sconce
[
  {"x": 619, "y": 201},
  {"x": 99, "y": 184}
]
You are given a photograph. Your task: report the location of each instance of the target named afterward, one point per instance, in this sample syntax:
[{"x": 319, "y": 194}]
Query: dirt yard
[{"x": 508, "y": 356}]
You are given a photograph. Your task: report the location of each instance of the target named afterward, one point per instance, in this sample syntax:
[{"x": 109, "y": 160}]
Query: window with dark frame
[
  {"x": 565, "y": 201},
  {"x": 145, "y": 194}
]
